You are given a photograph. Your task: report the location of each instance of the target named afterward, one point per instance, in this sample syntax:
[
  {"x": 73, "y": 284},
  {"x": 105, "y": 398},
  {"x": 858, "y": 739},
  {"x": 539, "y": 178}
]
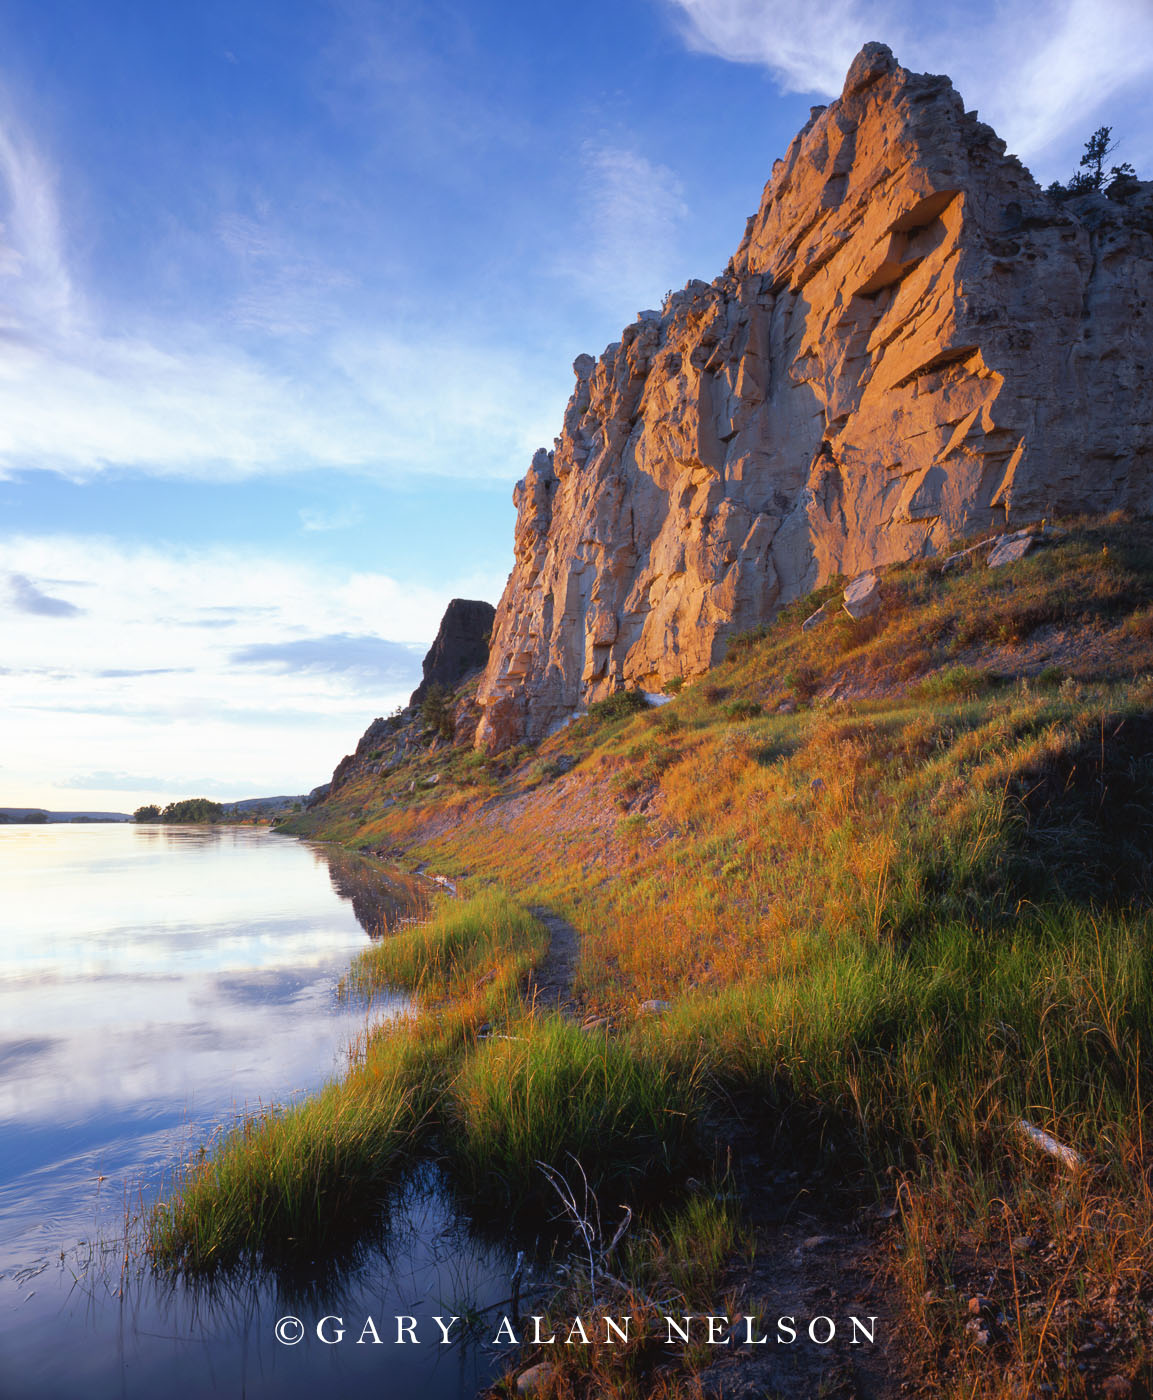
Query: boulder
[
  {"x": 653, "y": 1007},
  {"x": 862, "y": 598},
  {"x": 1009, "y": 549},
  {"x": 535, "y": 1380}
]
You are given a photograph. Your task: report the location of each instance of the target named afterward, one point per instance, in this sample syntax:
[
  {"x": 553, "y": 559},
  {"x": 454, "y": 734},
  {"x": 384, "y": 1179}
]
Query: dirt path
[
  {"x": 551, "y": 985},
  {"x": 802, "y": 1273}
]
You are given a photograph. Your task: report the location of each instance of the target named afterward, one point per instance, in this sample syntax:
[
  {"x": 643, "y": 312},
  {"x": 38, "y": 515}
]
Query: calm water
[{"x": 153, "y": 983}]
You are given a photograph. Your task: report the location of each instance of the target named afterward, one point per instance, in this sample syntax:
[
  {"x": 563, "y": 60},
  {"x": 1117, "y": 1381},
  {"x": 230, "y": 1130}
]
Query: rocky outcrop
[
  {"x": 912, "y": 342},
  {"x": 461, "y": 645},
  {"x": 459, "y": 651}
]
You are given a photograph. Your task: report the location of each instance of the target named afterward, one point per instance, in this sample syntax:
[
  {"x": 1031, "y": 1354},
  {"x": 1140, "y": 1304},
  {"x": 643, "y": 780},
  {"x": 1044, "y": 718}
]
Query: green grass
[
  {"x": 554, "y": 1093},
  {"x": 285, "y": 1184},
  {"x": 488, "y": 937}
]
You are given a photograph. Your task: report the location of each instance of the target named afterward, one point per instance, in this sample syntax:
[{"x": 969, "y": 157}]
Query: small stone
[
  {"x": 534, "y": 1380},
  {"x": 653, "y": 1007},
  {"x": 432, "y": 780},
  {"x": 982, "y": 1307},
  {"x": 815, "y": 619},
  {"x": 979, "y": 1331},
  {"x": 817, "y": 786},
  {"x": 862, "y": 598},
  {"x": 1024, "y": 1244},
  {"x": 787, "y": 707}
]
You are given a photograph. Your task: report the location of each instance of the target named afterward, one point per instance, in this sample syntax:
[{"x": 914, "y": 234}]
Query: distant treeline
[
  {"x": 190, "y": 809},
  {"x": 203, "y": 811}
]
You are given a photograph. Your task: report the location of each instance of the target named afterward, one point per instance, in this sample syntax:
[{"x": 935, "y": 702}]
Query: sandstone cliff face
[{"x": 911, "y": 342}]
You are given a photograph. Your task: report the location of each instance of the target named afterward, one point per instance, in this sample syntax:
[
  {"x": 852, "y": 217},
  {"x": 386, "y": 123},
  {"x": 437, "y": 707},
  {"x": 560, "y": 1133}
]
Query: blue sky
[{"x": 289, "y": 294}]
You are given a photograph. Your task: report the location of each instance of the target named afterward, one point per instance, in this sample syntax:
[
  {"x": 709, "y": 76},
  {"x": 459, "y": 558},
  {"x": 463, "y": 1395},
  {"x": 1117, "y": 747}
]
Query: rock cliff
[
  {"x": 912, "y": 341},
  {"x": 459, "y": 652},
  {"x": 461, "y": 645}
]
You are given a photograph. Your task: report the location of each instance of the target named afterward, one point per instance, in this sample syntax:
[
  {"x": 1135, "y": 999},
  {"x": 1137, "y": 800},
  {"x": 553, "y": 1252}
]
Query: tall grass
[
  {"x": 553, "y": 1093},
  {"x": 488, "y": 936},
  {"x": 284, "y": 1183}
]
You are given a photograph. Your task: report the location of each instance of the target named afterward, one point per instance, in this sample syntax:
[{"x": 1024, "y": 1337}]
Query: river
[{"x": 154, "y": 983}]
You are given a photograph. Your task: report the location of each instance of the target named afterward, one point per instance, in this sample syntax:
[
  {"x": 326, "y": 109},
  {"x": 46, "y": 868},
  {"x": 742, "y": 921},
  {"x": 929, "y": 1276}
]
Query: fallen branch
[{"x": 1049, "y": 1144}]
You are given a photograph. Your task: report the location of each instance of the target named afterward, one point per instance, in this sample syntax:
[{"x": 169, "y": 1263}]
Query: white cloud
[
  {"x": 633, "y": 210},
  {"x": 1041, "y": 71},
  {"x": 367, "y": 662},
  {"x": 287, "y": 381},
  {"x": 137, "y": 684},
  {"x": 807, "y": 47}
]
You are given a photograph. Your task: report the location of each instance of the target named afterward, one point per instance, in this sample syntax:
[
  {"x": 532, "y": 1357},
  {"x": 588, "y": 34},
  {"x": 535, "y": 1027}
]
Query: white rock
[
  {"x": 862, "y": 598},
  {"x": 654, "y": 1007},
  {"x": 1010, "y": 549}
]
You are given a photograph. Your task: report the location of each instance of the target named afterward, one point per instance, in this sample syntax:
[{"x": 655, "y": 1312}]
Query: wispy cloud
[
  {"x": 807, "y": 47},
  {"x": 1038, "y": 70},
  {"x": 37, "y": 282},
  {"x": 634, "y": 207},
  {"x": 116, "y": 675},
  {"x": 286, "y": 292},
  {"x": 288, "y": 376},
  {"x": 371, "y": 658},
  {"x": 267, "y": 705},
  {"x": 27, "y": 598},
  {"x": 116, "y": 782},
  {"x": 119, "y": 781}
]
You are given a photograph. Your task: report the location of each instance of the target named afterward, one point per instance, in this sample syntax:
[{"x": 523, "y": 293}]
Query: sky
[{"x": 290, "y": 292}]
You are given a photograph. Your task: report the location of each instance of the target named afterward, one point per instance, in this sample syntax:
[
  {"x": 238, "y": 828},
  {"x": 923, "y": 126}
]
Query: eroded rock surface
[{"x": 912, "y": 341}]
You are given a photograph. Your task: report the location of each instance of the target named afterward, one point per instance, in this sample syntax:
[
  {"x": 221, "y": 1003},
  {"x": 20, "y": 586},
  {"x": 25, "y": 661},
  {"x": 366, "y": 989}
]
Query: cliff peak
[
  {"x": 461, "y": 646},
  {"x": 911, "y": 342}
]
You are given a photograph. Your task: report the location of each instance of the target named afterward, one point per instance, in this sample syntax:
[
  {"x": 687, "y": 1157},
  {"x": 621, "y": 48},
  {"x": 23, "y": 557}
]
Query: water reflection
[
  {"x": 134, "y": 1334},
  {"x": 154, "y": 982},
  {"x": 381, "y": 899}
]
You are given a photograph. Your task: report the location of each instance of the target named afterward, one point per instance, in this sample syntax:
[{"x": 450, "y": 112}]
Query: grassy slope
[{"x": 892, "y": 876}]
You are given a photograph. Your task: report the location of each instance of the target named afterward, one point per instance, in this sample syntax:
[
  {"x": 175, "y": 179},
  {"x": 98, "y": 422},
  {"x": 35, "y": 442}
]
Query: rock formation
[
  {"x": 460, "y": 650},
  {"x": 913, "y": 341},
  {"x": 461, "y": 645}
]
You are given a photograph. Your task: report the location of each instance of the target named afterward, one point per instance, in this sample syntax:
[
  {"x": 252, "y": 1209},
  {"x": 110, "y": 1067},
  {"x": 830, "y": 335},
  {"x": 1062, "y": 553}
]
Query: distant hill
[
  {"x": 38, "y": 815},
  {"x": 256, "y": 806}
]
